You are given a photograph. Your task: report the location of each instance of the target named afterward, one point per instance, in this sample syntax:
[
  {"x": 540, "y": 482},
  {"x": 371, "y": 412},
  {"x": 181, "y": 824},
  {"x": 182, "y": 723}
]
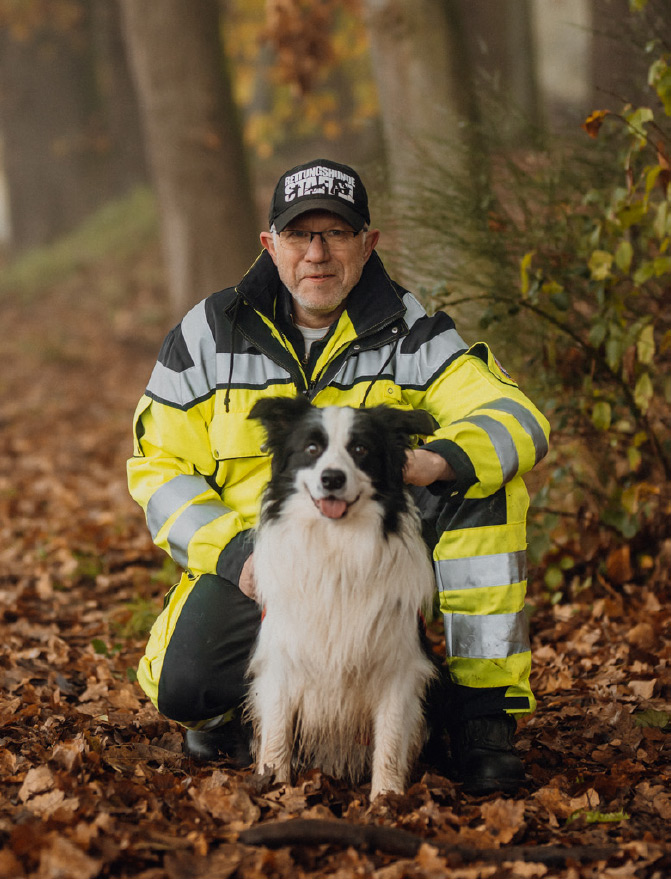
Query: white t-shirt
[{"x": 310, "y": 335}]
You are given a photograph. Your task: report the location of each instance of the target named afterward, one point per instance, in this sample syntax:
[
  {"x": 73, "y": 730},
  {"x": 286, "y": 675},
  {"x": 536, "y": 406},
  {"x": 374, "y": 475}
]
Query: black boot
[
  {"x": 483, "y": 755},
  {"x": 230, "y": 741}
]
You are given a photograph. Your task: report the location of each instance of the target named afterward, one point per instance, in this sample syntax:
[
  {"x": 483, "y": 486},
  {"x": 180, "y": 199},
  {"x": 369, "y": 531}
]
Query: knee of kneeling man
[
  {"x": 178, "y": 692},
  {"x": 191, "y": 690}
]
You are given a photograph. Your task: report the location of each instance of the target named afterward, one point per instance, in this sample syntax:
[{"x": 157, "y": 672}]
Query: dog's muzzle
[{"x": 332, "y": 506}]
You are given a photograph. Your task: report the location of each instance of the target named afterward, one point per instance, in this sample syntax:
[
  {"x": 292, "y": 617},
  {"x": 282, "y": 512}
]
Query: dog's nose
[{"x": 332, "y": 480}]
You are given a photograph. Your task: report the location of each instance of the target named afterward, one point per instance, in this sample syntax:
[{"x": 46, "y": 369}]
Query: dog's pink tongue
[{"x": 332, "y": 508}]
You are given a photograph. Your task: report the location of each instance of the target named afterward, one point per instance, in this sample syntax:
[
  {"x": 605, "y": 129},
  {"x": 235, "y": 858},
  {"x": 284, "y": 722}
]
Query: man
[{"x": 317, "y": 315}]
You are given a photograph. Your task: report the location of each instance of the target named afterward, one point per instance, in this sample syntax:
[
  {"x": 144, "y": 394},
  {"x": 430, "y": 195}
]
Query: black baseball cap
[{"x": 320, "y": 185}]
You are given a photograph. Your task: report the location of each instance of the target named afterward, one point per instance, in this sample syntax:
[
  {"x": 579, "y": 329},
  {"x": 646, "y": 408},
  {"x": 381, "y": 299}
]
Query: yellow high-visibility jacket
[{"x": 199, "y": 468}]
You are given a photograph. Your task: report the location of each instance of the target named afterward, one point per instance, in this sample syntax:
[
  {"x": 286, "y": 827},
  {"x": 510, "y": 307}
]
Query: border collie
[{"x": 338, "y": 673}]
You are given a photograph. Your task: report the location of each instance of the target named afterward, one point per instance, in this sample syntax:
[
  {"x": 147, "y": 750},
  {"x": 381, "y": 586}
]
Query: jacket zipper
[
  {"x": 300, "y": 379},
  {"x": 307, "y": 387},
  {"x": 319, "y": 385}
]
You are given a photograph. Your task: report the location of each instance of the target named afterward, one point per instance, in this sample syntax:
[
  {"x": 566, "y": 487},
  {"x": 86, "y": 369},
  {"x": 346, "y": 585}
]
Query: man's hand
[
  {"x": 247, "y": 583},
  {"x": 423, "y": 467}
]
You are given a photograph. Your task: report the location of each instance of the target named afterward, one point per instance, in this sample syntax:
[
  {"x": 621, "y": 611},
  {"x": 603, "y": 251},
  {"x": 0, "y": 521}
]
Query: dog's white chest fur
[{"x": 338, "y": 672}]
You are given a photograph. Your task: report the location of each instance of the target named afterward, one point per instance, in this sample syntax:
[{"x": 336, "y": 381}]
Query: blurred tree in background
[
  {"x": 194, "y": 143},
  {"x": 69, "y": 120}
]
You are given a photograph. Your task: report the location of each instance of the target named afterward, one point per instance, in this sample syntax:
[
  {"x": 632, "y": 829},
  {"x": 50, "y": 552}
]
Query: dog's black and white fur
[{"x": 338, "y": 673}]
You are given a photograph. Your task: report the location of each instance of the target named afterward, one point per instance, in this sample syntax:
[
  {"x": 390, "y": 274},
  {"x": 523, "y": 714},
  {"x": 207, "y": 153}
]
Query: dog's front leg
[
  {"x": 275, "y": 738},
  {"x": 397, "y": 722}
]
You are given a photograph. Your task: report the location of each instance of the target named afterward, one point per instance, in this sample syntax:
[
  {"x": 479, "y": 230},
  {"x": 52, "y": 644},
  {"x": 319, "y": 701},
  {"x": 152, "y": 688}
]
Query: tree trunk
[
  {"x": 53, "y": 170},
  {"x": 618, "y": 60},
  {"x": 119, "y": 110},
  {"x": 422, "y": 71},
  {"x": 501, "y": 42},
  {"x": 70, "y": 129},
  {"x": 523, "y": 71},
  {"x": 421, "y": 74},
  {"x": 208, "y": 220}
]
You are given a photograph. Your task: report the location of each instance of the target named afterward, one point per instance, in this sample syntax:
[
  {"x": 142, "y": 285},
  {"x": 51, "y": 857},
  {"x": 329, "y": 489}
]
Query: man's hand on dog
[
  {"x": 423, "y": 467},
  {"x": 246, "y": 582}
]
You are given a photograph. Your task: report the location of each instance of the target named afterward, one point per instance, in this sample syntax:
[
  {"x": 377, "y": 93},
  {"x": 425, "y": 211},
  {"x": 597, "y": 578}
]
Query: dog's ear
[
  {"x": 419, "y": 422},
  {"x": 410, "y": 422},
  {"x": 278, "y": 415}
]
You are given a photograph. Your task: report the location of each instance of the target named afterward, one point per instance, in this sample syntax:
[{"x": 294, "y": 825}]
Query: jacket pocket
[{"x": 233, "y": 435}]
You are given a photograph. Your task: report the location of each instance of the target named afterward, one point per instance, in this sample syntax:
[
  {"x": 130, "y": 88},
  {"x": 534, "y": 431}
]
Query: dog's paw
[{"x": 384, "y": 789}]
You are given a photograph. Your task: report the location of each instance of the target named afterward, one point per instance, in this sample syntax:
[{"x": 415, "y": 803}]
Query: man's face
[{"x": 318, "y": 279}]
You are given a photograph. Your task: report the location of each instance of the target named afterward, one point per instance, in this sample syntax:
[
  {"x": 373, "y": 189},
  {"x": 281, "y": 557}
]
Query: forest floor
[{"x": 93, "y": 779}]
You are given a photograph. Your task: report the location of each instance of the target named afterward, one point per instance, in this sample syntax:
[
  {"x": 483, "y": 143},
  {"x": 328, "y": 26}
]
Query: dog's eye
[
  {"x": 313, "y": 449},
  {"x": 358, "y": 450}
]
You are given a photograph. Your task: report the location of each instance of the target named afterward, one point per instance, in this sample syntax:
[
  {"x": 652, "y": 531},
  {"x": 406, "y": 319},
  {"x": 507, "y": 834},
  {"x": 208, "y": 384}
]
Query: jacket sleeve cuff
[
  {"x": 234, "y": 555},
  {"x": 458, "y": 460}
]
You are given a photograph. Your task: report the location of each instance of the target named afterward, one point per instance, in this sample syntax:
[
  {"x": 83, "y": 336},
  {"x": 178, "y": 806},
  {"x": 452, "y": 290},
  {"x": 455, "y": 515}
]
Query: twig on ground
[{"x": 394, "y": 841}]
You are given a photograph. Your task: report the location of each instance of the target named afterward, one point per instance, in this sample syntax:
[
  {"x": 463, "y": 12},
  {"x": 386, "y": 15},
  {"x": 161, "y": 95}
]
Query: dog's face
[
  {"x": 339, "y": 457},
  {"x": 330, "y": 454}
]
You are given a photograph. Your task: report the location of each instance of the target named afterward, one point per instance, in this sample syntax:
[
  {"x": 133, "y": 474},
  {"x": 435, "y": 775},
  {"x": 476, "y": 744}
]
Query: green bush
[{"x": 567, "y": 254}]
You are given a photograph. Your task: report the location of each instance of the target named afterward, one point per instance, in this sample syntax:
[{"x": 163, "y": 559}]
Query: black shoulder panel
[
  {"x": 425, "y": 329},
  {"x": 174, "y": 354}
]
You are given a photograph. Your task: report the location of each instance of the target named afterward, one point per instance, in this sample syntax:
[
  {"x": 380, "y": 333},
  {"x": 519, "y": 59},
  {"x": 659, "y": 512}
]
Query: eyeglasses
[{"x": 301, "y": 239}]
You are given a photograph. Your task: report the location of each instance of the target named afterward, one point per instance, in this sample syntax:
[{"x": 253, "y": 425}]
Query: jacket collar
[{"x": 373, "y": 303}]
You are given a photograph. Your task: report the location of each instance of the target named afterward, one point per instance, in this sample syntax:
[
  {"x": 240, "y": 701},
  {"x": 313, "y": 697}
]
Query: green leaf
[
  {"x": 601, "y": 415},
  {"x": 637, "y": 121},
  {"x": 593, "y": 817},
  {"x": 558, "y": 296},
  {"x": 551, "y": 288},
  {"x": 661, "y": 220},
  {"x": 651, "y": 178},
  {"x": 644, "y": 272},
  {"x": 629, "y": 500},
  {"x": 645, "y": 347},
  {"x": 634, "y": 458},
  {"x": 627, "y": 525},
  {"x": 623, "y": 256},
  {"x": 652, "y": 719},
  {"x": 599, "y": 264},
  {"x": 615, "y": 346},
  {"x": 662, "y": 265},
  {"x": 643, "y": 392},
  {"x": 525, "y": 265},
  {"x": 554, "y": 578},
  {"x": 631, "y": 214},
  {"x": 659, "y": 77},
  {"x": 100, "y": 647},
  {"x": 597, "y": 333}
]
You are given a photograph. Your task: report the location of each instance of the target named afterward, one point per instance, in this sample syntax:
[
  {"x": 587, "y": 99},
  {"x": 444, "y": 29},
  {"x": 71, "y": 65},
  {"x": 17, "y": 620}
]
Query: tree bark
[
  {"x": 422, "y": 76},
  {"x": 618, "y": 62},
  {"x": 500, "y": 37},
  {"x": 119, "y": 110},
  {"x": 194, "y": 144},
  {"x": 53, "y": 171},
  {"x": 422, "y": 70}
]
